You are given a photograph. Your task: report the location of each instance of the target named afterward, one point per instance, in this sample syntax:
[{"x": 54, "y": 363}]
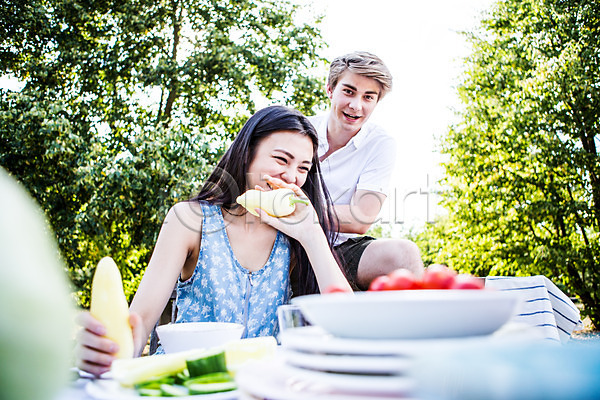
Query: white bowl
[
  {"x": 197, "y": 335},
  {"x": 409, "y": 314}
]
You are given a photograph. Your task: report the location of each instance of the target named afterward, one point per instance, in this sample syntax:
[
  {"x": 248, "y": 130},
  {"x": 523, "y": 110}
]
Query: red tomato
[
  {"x": 402, "y": 279},
  {"x": 466, "y": 281},
  {"x": 379, "y": 283},
  {"x": 438, "y": 276},
  {"x": 336, "y": 289}
]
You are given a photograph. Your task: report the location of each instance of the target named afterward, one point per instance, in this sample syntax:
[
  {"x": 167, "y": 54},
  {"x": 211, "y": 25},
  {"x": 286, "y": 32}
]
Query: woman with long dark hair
[{"x": 229, "y": 265}]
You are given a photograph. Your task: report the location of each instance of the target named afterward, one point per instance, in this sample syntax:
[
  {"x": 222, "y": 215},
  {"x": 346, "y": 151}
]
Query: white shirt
[{"x": 366, "y": 162}]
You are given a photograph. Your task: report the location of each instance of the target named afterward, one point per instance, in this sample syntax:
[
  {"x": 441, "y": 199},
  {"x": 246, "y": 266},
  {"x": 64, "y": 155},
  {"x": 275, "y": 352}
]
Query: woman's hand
[
  {"x": 276, "y": 183},
  {"x": 94, "y": 352},
  {"x": 302, "y": 223}
]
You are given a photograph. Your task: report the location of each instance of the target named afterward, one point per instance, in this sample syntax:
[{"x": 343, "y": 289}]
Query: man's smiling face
[{"x": 353, "y": 100}]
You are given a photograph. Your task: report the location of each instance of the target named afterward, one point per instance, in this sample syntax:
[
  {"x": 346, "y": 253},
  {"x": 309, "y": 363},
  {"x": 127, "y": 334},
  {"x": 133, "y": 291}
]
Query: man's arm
[{"x": 359, "y": 215}]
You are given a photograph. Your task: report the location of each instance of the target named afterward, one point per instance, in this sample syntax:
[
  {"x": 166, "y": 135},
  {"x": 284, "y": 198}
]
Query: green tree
[
  {"x": 522, "y": 176},
  {"x": 127, "y": 104}
]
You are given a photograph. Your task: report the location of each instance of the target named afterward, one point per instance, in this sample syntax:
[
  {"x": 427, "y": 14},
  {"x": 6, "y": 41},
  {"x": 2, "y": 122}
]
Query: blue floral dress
[{"x": 221, "y": 290}]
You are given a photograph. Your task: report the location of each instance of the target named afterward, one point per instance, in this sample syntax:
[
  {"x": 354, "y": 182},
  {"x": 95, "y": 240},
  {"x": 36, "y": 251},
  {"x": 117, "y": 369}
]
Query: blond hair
[{"x": 364, "y": 64}]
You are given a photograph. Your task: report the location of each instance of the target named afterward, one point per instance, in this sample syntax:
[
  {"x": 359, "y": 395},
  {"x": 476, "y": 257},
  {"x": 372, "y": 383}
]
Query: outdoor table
[
  {"x": 545, "y": 370},
  {"x": 75, "y": 391},
  {"x": 520, "y": 369}
]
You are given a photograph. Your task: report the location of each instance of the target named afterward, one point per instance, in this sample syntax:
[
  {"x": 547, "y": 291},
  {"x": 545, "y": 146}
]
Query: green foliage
[
  {"x": 128, "y": 104},
  {"x": 379, "y": 230},
  {"x": 522, "y": 180}
]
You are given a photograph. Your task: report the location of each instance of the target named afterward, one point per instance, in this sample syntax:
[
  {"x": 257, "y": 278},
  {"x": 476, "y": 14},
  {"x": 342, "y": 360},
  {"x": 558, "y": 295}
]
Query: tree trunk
[{"x": 174, "y": 83}]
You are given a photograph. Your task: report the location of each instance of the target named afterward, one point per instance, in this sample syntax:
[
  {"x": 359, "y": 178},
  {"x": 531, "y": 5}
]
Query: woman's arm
[{"x": 178, "y": 239}]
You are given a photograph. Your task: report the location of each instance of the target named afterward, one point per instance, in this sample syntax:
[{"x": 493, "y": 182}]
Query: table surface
[{"x": 75, "y": 391}]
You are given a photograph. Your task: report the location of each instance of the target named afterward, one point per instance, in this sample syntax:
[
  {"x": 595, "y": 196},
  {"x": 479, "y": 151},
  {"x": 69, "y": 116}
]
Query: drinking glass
[{"x": 290, "y": 316}]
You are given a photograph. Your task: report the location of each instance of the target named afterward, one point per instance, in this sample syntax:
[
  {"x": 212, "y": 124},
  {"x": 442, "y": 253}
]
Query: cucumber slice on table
[
  {"x": 174, "y": 390},
  {"x": 205, "y": 373},
  {"x": 211, "y": 378},
  {"x": 156, "y": 383},
  {"x": 207, "y": 364},
  {"x": 182, "y": 376},
  {"x": 206, "y": 388},
  {"x": 211, "y": 383},
  {"x": 150, "y": 392}
]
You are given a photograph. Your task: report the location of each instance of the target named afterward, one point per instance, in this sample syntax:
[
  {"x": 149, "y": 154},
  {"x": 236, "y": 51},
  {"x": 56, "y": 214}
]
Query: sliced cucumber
[
  {"x": 203, "y": 374},
  {"x": 174, "y": 390},
  {"x": 156, "y": 383},
  {"x": 211, "y": 383},
  {"x": 206, "y": 388},
  {"x": 211, "y": 378},
  {"x": 182, "y": 376},
  {"x": 150, "y": 392},
  {"x": 210, "y": 362}
]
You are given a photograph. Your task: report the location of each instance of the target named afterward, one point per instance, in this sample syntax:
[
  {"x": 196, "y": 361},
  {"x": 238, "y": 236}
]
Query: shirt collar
[
  {"x": 355, "y": 141},
  {"x": 322, "y": 134},
  {"x": 359, "y": 137}
]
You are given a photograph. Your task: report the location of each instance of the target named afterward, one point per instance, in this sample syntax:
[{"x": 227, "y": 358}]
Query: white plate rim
[
  {"x": 346, "y": 363},
  {"x": 315, "y": 339},
  {"x": 273, "y": 379},
  {"x": 408, "y": 295}
]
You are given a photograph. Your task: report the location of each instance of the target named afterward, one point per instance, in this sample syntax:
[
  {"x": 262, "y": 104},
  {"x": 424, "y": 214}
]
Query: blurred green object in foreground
[
  {"x": 36, "y": 314},
  {"x": 524, "y": 371}
]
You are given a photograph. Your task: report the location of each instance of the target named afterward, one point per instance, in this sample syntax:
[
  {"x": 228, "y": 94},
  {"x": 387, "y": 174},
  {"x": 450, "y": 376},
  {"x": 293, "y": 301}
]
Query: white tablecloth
[
  {"x": 75, "y": 391},
  {"x": 542, "y": 305}
]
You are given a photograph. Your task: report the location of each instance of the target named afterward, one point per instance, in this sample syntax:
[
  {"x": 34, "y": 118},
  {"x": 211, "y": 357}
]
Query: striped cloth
[{"x": 542, "y": 305}]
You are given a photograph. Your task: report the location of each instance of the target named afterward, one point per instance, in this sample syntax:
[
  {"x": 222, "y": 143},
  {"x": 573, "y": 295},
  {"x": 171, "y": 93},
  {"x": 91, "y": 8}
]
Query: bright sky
[{"x": 420, "y": 43}]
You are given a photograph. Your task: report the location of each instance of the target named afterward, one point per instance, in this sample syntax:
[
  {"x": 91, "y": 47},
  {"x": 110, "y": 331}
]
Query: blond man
[{"x": 357, "y": 159}]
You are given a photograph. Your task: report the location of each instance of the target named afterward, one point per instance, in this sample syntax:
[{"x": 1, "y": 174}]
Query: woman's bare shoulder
[
  {"x": 187, "y": 214},
  {"x": 188, "y": 205}
]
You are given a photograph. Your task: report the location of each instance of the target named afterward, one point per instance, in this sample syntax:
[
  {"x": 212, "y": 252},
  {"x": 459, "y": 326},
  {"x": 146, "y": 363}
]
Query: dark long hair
[{"x": 228, "y": 180}]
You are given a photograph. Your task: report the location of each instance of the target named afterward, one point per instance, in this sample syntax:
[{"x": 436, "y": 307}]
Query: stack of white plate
[
  {"x": 362, "y": 346},
  {"x": 316, "y": 365}
]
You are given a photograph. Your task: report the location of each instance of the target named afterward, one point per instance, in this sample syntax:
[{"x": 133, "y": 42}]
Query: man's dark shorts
[{"x": 350, "y": 253}]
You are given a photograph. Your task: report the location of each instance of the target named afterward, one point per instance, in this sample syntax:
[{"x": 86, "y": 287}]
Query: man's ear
[{"x": 328, "y": 90}]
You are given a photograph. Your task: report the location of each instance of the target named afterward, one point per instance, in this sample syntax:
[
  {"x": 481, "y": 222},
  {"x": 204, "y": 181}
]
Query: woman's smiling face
[{"x": 286, "y": 155}]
